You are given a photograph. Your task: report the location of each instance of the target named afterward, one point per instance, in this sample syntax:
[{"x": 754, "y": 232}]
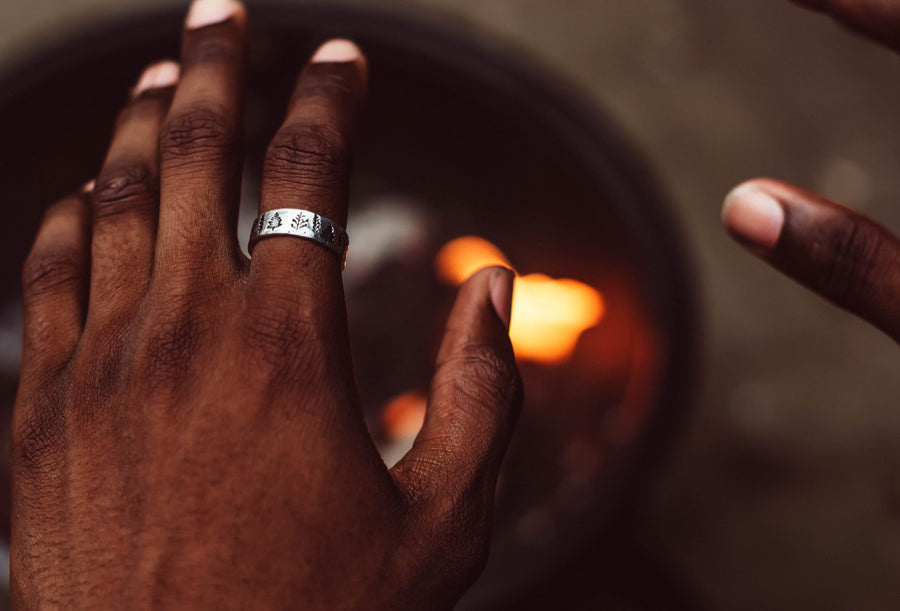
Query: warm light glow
[
  {"x": 464, "y": 256},
  {"x": 404, "y": 415},
  {"x": 548, "y": 315}
]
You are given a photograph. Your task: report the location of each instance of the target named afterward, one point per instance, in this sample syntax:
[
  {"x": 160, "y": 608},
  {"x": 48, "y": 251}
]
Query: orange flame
[
  {"x": 462, "y": 257},
  {"x": 548, "y": 315}
]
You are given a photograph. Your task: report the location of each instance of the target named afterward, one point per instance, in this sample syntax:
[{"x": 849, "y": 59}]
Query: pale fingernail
[
  {"x": 209, "y": 12},
  {"x": 89, "y": 186},
  {"x": 161, "y": 74},
  {"x": 753, "y": 216},
  {"x": 338, "y": 50},
  {"x": 501, "y": 288}
]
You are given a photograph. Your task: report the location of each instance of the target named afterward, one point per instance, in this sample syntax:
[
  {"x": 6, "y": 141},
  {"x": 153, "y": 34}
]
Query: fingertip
[
  {"x": 753, "y": 216},
  {"x": 826, "y": 246},
  {"x": 343, "y": 52},
  {"x": 482, "y": 309},
  {"x": 156, "y": 76},
  {"x": 338, "y": 50},
  {"x": 501, "y": 289},
  {"x": 203, "y": 13}
]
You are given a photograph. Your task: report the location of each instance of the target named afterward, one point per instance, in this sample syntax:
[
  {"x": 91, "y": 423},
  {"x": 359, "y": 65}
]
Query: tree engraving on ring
[
  {"x": 274, "y": 222},
  {"x": 328, "y": 234}
]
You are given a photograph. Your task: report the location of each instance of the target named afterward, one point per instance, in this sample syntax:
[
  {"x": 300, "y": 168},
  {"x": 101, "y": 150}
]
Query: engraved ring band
[{"x": 301, "y": 224}]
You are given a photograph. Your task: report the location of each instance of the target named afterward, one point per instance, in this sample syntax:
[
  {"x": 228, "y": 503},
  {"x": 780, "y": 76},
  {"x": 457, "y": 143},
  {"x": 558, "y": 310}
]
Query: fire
[
  {"x": 462, "y": 257},
  {"x": 548, "y": 315}
]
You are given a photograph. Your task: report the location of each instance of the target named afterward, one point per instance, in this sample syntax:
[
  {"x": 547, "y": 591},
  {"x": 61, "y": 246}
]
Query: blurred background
[{"x": 782, "y": 488}]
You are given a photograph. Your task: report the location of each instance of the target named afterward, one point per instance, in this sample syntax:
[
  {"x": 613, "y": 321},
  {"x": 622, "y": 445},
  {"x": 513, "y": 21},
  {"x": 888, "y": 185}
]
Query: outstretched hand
[
  {"x": 188, "y": 430},
  {"x": 836, "y": 252}
]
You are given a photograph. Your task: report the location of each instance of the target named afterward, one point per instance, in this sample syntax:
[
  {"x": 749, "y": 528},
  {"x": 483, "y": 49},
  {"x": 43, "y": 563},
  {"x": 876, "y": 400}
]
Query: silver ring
[{"x": 301, "y": 224}]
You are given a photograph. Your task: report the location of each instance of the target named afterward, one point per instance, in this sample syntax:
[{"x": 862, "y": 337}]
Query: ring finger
[{"x": 307, "y": 167}]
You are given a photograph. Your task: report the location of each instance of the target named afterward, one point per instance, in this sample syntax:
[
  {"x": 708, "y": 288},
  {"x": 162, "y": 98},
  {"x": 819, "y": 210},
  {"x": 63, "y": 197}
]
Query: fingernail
[
  {"x": 338, "y": 50},
  {"x": 209, "y": 12},
  {"x": 753, "y": 216},
  {"x": 89, "y": 186},
  {"x": 501, "y": 288},
  {"x": 160, "y": 74}
]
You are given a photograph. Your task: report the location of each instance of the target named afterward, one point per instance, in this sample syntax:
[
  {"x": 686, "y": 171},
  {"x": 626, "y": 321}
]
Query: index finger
[{"x": 843, "y": 256}]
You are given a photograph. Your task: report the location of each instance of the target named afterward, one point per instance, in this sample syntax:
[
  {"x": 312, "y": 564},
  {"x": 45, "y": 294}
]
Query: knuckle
[
  {"x": 201, "y": 131},
  {"x": 35, "y": 437},
  {"x": 307, "y": 152},
  {"x": 32, "y": 447},
  {"x": 170, "y": 346},
  {"x": 280, "y": 338},
  {"x": 847, "y": 251},
  {"x": 124, "y": 188},
  {"x": 102, "y": 372},
  {"x": 47, "y": 271}
]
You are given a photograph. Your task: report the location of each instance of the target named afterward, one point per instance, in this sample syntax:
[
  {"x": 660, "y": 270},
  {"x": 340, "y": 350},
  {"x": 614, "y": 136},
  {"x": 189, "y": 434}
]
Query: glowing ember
[
  {"x": 404, "y": 415},
  {"x": 548, "y": 315},
  {"x": 462, "y": 257}
]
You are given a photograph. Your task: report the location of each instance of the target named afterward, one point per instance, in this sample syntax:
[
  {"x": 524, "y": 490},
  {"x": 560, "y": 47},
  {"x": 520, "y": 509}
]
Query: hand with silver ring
[{"x": 188, "y": 432}]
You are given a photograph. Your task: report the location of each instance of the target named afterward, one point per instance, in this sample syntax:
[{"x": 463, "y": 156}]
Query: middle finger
[{"x": 200, "y": 146}]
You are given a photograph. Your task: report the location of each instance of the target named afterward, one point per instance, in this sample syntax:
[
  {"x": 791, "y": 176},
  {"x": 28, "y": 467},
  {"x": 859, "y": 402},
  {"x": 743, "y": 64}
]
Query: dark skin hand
[
  {"x": 188, "y": 431},
  {"x": 840, "y": 254}
]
